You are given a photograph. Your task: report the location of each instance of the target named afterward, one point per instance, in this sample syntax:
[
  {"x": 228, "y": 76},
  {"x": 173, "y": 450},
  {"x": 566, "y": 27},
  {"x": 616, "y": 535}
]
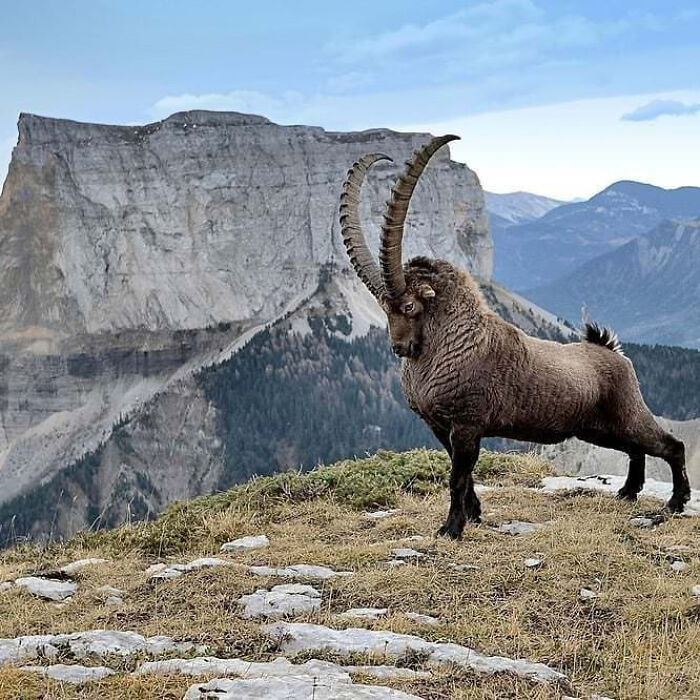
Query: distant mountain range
[
  {"x": 647, "y": 289},
  {"x": 538, "y": 252},
  {"x": 519, "y": 207}
]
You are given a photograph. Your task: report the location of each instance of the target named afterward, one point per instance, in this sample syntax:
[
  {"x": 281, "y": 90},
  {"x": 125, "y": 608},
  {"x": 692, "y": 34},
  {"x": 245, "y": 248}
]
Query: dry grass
[{"x": 639, "y": 639}]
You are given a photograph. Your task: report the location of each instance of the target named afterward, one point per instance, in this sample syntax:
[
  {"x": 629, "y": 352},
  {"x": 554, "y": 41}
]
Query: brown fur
[{"x": 469, "y": 374}]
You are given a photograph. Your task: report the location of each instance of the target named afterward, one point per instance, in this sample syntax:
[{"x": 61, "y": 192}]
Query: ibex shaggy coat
[{"x": 469, "y": 374}]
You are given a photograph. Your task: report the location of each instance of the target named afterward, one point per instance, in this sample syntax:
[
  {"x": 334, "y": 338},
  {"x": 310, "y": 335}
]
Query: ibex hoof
[
  {"x": 451, "y": 531},
  {"x": 626, "y": 495},
  {"x": 677, "y": 503}
]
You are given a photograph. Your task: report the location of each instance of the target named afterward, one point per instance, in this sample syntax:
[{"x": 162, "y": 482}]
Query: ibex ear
[{"x": 426, "y": 291}]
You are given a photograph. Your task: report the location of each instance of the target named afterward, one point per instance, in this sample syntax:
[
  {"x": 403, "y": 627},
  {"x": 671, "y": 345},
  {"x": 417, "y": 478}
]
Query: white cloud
[{"x": 660, "y": 108}]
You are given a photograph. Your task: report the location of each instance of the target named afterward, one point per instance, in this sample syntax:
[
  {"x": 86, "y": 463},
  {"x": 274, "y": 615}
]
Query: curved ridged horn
[
  {"x": 395, "y": 216},
  {"x": 351, "y": 229}
]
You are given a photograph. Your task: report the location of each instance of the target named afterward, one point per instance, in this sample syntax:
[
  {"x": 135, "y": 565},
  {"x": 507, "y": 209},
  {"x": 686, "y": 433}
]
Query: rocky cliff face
[
  {"x": 199, "y": 219},
  {"x": 132, "y": 257}
]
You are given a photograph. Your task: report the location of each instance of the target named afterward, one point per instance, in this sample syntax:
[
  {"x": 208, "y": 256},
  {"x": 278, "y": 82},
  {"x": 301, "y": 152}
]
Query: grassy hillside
[{"x": 639, "y": 638}]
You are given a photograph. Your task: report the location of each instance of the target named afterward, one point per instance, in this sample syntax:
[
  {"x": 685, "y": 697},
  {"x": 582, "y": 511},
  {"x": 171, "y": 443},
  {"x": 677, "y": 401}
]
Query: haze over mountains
[
  {"x": 536, "y": 253},
  {"x": 647, "y": 289}
]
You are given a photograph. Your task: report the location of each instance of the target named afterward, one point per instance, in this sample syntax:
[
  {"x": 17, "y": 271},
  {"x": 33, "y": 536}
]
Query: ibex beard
[{"x": 471, "y": 375}]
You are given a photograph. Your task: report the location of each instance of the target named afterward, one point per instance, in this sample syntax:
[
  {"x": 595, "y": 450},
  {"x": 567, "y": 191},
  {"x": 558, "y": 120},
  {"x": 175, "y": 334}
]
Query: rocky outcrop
[
  {"x": 199, "y": 219},
  {"x": 131, "y": 257}
]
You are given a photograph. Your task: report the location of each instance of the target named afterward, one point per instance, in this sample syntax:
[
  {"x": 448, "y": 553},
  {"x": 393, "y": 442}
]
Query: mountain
[
  {"x": 519, "y": 207},
  {"x": 647, "y": 289},
  {"x": 132, "y": 257},
  {"x": 536, "y": 253}
]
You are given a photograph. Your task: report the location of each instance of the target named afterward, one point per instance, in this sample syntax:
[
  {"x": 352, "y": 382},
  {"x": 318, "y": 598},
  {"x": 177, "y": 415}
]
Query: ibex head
[{"x": 402, "y": 295}]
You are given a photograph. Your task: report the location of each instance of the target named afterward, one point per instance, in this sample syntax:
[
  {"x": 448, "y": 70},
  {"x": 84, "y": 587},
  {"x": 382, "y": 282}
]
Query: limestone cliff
[{"x": 131, "y": 257}]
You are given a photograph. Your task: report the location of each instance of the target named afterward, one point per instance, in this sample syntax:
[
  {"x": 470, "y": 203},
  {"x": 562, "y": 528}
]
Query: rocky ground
[{"x": 332, "y": 585}]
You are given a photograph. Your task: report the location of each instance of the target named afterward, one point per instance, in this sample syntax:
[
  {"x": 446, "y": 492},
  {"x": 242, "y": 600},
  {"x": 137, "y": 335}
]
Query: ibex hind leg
[{"x": 656, "y": 442}]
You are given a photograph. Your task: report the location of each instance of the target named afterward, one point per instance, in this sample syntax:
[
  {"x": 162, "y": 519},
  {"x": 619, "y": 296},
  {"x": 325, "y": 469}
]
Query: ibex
[{"x": 469, "y": 374}]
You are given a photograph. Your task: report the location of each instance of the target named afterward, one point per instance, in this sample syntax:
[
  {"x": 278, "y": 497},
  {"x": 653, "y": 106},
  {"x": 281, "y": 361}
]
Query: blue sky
[{"x": 560, "y": 98}]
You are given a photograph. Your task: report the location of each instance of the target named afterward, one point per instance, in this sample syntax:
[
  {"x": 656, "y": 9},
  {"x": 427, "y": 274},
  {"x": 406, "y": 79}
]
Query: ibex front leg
[{"x": 464, "y": 505}]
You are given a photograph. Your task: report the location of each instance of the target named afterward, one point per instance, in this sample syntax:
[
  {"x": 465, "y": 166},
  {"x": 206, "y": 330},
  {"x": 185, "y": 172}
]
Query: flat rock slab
[
  {"x": 298, "y": 637},
  {"x": 178, "y": 570},
  {"x": 81, "y": 564},
  {"x": 211, "y": 665},
  {"x": 407, "y": 553},
  {"x": 518, "y": 527},
  {"x": 463, "y": 567},
  {"x": 381, "y": 514},
  {"x": 533, "y": 563},
  {"x": 612, "y": 484},
  {"x": 310, "y": 571},
  {"x": 82, "y": 644},
  {"x": 48, "y": 588},
  {"x": 365, "y": 613},
  {"x": 246, "y": 544},
  {"x": 422, "y": 619},
  {"x": 388, "y": 672},
  {"x": 75, "y": 674},
  {"x": 280, "y": 601},
  {"x": 291, "y": 688}
]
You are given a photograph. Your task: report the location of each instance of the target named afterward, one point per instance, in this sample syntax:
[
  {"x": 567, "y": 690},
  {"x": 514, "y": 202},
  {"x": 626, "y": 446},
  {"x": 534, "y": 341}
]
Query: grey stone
[
  {"x": 310, "y": 571},
  {"x": 422, "y": 619},
  {"x": 74, "y": 674},
  {"x": 178, "y": 570},
  {"x": 391, "y": 672},
  {"x": 381, "y": 514},
  {"x": 518, "y": 527},
  {"x": 81, "y": 564},
  {"x": 298, "y": 637},
  {"x": 407, "y": 553},
  {"x": 50, "y": 589},
  {"x": 533, "y": 563},
  {"x": 211, "y": 665},
  {"x": 246, "y": 544},
  {"x": 291, "y": 688},
  {"x": 364, "y": 613},
  {"x": 280, "y": 601},
  {"x": 82, "y": 644},
  {"x": 463, "y": 567},
  {"x": 587, "y": 594},
  {"x": 679, "y": 565}
]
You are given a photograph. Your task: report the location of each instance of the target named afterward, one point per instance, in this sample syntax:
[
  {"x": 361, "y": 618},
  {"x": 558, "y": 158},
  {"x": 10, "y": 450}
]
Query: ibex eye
[{"x": 409, "y": 307}]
